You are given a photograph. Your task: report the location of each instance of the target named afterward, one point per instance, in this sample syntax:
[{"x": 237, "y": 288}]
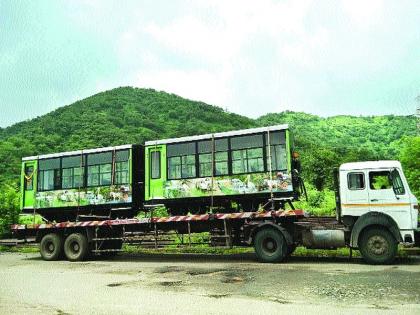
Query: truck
[{"x": 238, "y": 187}]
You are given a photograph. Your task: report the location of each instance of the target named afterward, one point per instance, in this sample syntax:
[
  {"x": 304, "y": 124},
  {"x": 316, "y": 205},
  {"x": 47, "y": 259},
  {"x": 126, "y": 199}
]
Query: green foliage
[
  {"x": 132, "y": 115},
  {"x": 30, "y": 219},
  {"x": 319, "y": 203},
  {"x": 410, "y": 159},
  {"x": 9, "y": 206}
]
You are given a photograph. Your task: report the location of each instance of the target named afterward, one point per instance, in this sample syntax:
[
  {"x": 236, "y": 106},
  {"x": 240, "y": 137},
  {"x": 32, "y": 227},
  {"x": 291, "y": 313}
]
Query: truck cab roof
[{"x": 369, "y": 165}]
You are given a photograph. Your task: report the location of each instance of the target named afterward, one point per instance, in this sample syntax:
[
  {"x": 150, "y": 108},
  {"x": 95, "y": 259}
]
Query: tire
[
  {"x": 51, "y": 247},
  {"x": 76, "y": 247},
  {"x": 270, "y": 246},
  {"x": 378, "y": 246}
]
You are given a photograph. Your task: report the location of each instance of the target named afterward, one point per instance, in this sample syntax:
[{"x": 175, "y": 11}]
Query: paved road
[{"x": 191, "y": 284}]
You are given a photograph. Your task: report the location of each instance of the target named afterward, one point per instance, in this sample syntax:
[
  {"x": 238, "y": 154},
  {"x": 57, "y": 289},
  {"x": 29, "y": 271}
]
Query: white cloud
[{"x": 364, "y": 13}]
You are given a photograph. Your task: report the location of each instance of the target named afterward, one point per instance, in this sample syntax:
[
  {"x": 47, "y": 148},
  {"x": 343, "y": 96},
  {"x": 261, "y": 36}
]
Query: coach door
[
  {"x": 29, "y": 182},
  {"x": 156, "y": 171}
]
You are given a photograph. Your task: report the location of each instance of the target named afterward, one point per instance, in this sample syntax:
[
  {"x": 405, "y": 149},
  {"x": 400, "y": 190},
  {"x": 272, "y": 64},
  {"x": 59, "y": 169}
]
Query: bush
[
  {"x": 9, "y": 207},
  {"x": 319, "y": 202}
]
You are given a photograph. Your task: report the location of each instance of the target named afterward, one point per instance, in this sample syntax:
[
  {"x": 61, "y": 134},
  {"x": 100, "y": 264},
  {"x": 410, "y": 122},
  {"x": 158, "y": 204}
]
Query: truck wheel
[
  {"x": 51, "y": 246},
  {"x": 270, "y": 245},
  {"x": 76, "y": 247},
  {"x": 378, "y": 246}
]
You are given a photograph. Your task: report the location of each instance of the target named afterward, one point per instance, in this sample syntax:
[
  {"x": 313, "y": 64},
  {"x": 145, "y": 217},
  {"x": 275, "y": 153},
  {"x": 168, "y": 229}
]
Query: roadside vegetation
[{"x": 132, "y": 115}]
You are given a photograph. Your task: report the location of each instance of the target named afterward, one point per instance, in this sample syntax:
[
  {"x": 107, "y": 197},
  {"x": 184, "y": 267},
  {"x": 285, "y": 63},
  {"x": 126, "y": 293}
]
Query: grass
[
  {"x": 19, "y": 249},
  {"x": 207, "y": 250}
]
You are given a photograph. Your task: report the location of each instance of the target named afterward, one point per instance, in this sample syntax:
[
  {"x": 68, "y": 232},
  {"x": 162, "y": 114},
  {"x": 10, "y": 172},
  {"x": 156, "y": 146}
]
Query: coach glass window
[
  {"x": 247, "y": 154},
  {"x": 122, "y": 167},
  {"x": 99, "y": 169},
  {"x": 221, "y": 159},
  {"x": 205, "y": 159},
  {"x": 181, "y": 160},
  {"x": 49, "y": 177},
  {"x": 29, "y": 176},
  {"x": 155, "y": 164},
  {"x": 72, "y": 172},
  {"x": 278, "y": 151}
]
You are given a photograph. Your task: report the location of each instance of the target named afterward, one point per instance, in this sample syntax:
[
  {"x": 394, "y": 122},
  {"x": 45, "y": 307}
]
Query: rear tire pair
[{"x": 75, "y": 247}]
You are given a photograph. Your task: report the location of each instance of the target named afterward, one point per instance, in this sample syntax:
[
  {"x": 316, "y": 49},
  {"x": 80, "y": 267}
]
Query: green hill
[{"x": 133, "y": 115}]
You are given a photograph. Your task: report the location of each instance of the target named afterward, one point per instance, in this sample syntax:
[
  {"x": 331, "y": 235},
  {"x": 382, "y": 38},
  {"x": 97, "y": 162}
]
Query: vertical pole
[
  {"x": 189, "y": 234},
  {"x": 270, "y": 169},
  {"x": 123, "y": 234},
  {"x": 213, "y": 148},
  {"x": 96, "y": 237},
  {"x": 79, "y": 186},
  {"x": 156, "y": 234},
  {"x": 227, "y": 234}
]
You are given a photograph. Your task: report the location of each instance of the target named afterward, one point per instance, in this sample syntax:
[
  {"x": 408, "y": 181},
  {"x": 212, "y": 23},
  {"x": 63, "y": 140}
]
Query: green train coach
[{"x": 228, "y": 171}]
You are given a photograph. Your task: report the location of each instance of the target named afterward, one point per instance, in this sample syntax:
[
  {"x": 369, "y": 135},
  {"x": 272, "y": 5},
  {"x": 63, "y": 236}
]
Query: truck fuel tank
[{"x": 323, "y": 239}]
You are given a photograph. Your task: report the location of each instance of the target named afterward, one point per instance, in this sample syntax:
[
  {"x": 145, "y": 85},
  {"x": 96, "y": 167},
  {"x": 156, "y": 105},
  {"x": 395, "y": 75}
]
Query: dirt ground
[{"x": 196, "y": 284}]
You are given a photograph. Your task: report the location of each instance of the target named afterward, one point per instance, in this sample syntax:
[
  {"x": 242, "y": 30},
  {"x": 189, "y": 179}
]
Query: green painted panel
[
  {"x": 154, "y": 188},
  {"x": 28, "y": 184}
]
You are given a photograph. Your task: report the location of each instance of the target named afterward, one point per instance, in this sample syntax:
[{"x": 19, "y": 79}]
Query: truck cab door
[
  {"x": 383, "y": 198},
  {"x": 354, "y": 193}
]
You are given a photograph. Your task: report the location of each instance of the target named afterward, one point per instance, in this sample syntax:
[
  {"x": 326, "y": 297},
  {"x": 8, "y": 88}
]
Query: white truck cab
[{"x": 377, "y": 190}]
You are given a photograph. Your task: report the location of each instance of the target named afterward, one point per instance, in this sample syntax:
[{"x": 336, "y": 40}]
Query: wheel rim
[
  {"x": 377, "y": 245},
  {"x": 50, "y": 248},
  {"x": 75, "y": 247},
  {"x": 269, "y": 245}
]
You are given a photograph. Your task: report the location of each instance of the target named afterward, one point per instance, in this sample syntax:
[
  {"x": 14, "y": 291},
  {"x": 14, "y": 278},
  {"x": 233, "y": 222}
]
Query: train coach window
[
  {"x": 72, "y": 172},
  {"x": 29, "y": 174},
  {"x": 278, "y": 151},
  {"x": 181, "y": 160},
  {"x": 155, "y": 164},
  {"x": 205, "y": 164},
  {"x": 99, "y": 169},
  {"x": 122, "y": 167},
  {"x": 205, "y": 149},
  {"x": 174, "y": 167},
  {"x": 247, "y": 154},
  {"x": 49, "y": 176},
  {"x": 205, "y": 159},
  {"x": 247, "y": 161},
  {"x": 221, "y": 163}
]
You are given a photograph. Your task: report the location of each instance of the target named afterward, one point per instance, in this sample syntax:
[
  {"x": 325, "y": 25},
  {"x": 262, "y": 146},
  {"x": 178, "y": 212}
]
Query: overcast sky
[{"x": 322, "y": 57}]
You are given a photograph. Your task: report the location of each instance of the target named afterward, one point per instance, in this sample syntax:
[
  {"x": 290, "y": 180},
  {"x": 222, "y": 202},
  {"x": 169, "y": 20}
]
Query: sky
[{"x": 248, "y": 57}]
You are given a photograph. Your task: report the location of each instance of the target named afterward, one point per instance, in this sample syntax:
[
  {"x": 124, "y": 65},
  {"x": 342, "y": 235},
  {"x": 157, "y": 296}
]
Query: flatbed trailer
[{"x": 274, "y": 234}]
